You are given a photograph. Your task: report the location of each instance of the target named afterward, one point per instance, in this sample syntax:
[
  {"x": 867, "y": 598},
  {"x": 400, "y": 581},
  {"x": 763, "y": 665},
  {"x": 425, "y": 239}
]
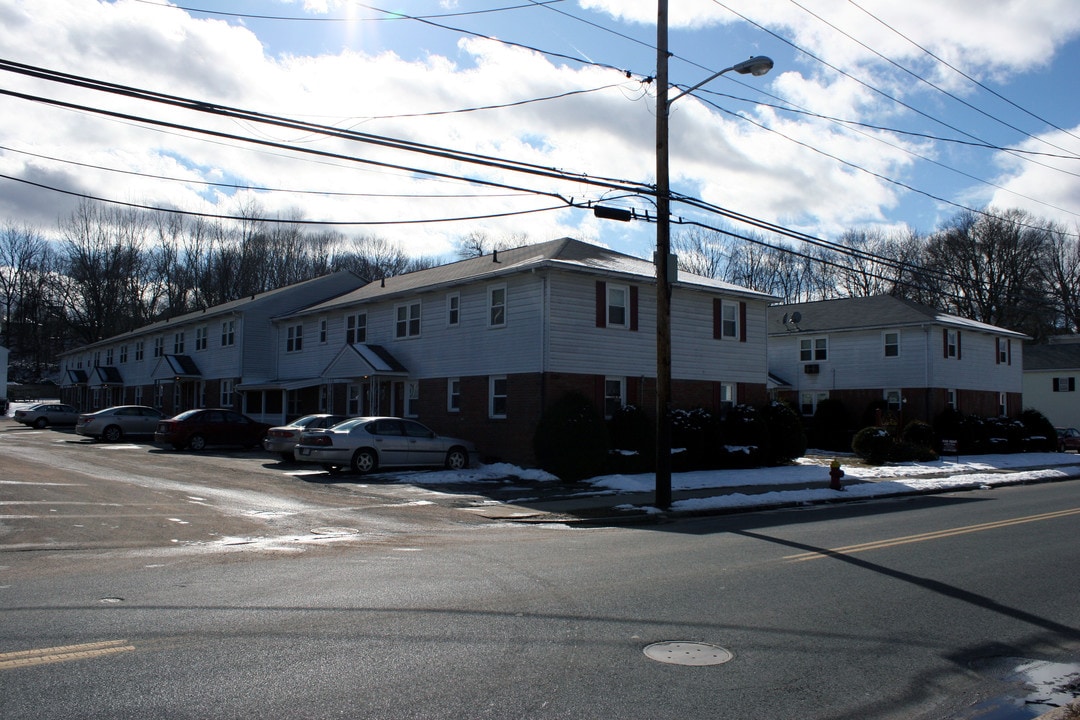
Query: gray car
[
  {"x": 114, "y": 423},
  {"x": 283, "y": 438},
  {"x": 45, "y": 414},
  {"x": 364, "y": 444}
]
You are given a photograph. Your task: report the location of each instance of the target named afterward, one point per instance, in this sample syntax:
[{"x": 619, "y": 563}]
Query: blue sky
[{"x": 735, "y": 144}]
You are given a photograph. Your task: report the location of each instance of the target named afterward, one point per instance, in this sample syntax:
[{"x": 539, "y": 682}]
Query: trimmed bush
[
  {"x": 874, "y": 445},
  {"x": 830, "y": 428},
  {"x": 920, "y": 434},
  {"x": 786, "y": 437},
  {"x": 571, "y": 440},
  {"x": 1040, "y": 435}
]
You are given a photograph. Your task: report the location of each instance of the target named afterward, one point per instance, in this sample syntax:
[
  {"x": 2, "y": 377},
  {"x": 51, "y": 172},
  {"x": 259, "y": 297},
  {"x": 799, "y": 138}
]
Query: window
[
  {"x": 952, "y": 344},
  {"x": 322, "y": 331},
  {"x": 497, "y": 306},
  {"x": 894, "y": 401},
  {"x": 617, "y": 303},
  {"x": 727, "y": 398},
  {"x": 1065, "y": 384},
  {"x": 294, "y": 338},
  {"x": 892, "y": 344},
  {"x": 729, "y": 320},
  {"x": 356, "y": 328},
  {"x": 159, "y": 346},
  {"x": 324, "y": 398},
  {"x": 97, "y": 358},
  {"x": 228, "y": 333},
  {"x": 453, "y": 309},
  {"x": 497, "y": 396},
  {"x": 614, "y": 395},
  {"x": 453, "y": 394},
  {"x": 226, "y": 393},
  {"x": 178, "y": 343},
  {"x": 407, "y": 323},
  {"x": 950, "y": 398},
  {"x": 292, "y": 402},
  {"x": 138, "y": 350},
  {"x": 1003, "y": 404},
  {"x": 1003, "y": 354},
  {"x": 138, "y": 395},
  {"x": 808, "y": 401},
  {"x": 108, "y": 356},
  {"x": 123, "y": 354},
  {"x": 813, "y": 349},
  {"x": 201, "y": 334},
  {"x": 159, "y": 395},
  {"x": 412, "y": 398}
]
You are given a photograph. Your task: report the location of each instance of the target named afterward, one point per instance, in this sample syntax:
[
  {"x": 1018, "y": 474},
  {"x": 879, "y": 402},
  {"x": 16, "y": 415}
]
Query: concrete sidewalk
[{"x": 584, "y": 504}]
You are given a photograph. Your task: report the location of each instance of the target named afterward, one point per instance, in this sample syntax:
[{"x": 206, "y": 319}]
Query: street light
[{"x": 754, "y": 66}]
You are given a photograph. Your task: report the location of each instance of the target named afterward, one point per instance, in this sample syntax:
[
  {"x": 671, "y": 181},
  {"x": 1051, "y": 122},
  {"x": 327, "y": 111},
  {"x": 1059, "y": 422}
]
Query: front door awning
[
  {"x": 362, "y": 360},
  {"x": 176, "y": 367}
]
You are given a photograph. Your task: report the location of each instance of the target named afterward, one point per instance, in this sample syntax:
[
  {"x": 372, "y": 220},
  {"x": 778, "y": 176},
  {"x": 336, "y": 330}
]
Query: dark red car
[
  {"x": 196, "y": 429},
  {"x": 1068, "y": 439}
]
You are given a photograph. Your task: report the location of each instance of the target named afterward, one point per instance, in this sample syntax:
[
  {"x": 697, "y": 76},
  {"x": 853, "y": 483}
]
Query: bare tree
[
  {"x": 1060, "y": 270},
  {"x": 989, "y": 267}
]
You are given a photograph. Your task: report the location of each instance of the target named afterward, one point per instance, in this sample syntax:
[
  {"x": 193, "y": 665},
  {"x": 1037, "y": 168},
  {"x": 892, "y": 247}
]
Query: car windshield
[
  {"x": 350, "y": 424},
  {"x": 304, "y": 421}
]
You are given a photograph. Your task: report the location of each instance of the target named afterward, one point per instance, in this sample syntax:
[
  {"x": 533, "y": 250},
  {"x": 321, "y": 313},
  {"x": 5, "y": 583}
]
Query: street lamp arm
[{"x": 757, "y": 66}]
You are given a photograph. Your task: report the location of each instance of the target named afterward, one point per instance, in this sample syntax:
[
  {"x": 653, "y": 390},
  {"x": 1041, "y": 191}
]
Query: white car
[
  {"x": 114, "y": 423},
  {"x": 364, "y": 444},
  {"x": 283, "y": 438}
]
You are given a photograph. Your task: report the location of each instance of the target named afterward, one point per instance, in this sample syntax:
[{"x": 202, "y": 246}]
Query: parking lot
[{"x": 61, "y": 491}]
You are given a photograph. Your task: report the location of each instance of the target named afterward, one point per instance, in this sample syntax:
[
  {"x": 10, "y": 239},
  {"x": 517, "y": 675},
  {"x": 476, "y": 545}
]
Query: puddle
[{"x": 1040, "y": 687}]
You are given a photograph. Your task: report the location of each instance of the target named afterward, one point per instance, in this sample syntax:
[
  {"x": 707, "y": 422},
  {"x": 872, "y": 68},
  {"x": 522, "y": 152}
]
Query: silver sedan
[
  {"x": 113, "y": 423},
  {"x": 364, "y": 444},
  {"x": 283, "y": 438},
  {"x": 45, "y": 414}
]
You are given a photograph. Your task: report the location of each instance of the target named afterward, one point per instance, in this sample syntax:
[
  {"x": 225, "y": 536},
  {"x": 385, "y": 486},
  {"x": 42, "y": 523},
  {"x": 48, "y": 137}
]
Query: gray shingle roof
[
  {"x": 878, "y": 311},
  {"x": 1052, "y": 357},
  {"x": 564, "y": 253}
]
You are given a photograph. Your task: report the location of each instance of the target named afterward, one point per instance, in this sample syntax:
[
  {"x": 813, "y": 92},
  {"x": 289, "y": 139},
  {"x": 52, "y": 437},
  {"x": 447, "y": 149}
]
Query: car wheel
[
  {"x": 364, "y": 461},
  {"x": 40, "y": 423},
  {"x": 457, "y": 459},
  {"x": 196, "y": 442},
  {"x": 112, "y": 433}
]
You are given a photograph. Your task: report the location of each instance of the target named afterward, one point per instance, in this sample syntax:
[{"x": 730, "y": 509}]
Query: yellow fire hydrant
[{"x": 835, "y": 473}]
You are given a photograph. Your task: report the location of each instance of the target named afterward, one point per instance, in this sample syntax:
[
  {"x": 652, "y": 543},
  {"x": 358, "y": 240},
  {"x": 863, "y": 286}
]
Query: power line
[
  {"x": 963, "y": 74},
  {"x": 876, "y": 90},
  {"x": 921, "y": 79}
]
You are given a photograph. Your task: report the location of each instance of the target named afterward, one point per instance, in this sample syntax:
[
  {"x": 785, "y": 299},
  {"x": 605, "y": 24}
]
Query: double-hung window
[
  {"x": 123, "y": 354},
  {"x": 228, "y": 333},
  {"x": 618, "y": 301},
  {"x": 453, "y": 309},
  {"x": 159, "y": 346},
  {"x": 497, "y": 396},
  {"x": 497, "y": 306},
  {"x": 139, "y": 350},
  {"x": 407, "y": 320},
  {"x": 178, "y": 343},
  {"x": 813, "y": 349},
  {"x": 891, "y": 342},
  {"x": 356, "y": 328},
  {"x": 294, "y": 340},
  {"x": 200, "y": 338},
  {"x": 453, "y": 394}
]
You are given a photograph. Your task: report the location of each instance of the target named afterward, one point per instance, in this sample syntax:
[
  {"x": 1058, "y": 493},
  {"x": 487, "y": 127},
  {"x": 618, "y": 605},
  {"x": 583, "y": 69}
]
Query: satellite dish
[
  {"x": 796, "y": 317},
  {"x": 785, "y": 319}
]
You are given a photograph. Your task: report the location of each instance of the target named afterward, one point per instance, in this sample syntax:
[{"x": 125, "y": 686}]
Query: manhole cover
[
  {"x": 688, "y": 653},
  {"x": 334, "y": 531}
]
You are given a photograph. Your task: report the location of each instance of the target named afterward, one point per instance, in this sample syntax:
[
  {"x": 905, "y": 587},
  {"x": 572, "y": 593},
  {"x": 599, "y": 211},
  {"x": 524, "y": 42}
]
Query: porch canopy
[
  {"x": 176, "y": 367},
  {"x": 74, "y": 377},
  {"x": 105, "y": 376},
  {"x": 362, "y": 360}
]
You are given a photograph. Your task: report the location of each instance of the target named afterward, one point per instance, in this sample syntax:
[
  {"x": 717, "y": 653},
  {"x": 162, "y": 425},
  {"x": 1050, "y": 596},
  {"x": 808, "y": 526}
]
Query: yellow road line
[
  {"x": 937, "y": 534},
  {"x": 44, "y": 656}
]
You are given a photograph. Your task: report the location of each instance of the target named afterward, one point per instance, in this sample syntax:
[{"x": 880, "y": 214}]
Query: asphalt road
[{"x": 137, "y": 583}]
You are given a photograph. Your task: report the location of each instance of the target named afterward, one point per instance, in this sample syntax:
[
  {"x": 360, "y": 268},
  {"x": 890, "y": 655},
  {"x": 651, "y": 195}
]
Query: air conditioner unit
[{"x": 811, "y": 369}]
